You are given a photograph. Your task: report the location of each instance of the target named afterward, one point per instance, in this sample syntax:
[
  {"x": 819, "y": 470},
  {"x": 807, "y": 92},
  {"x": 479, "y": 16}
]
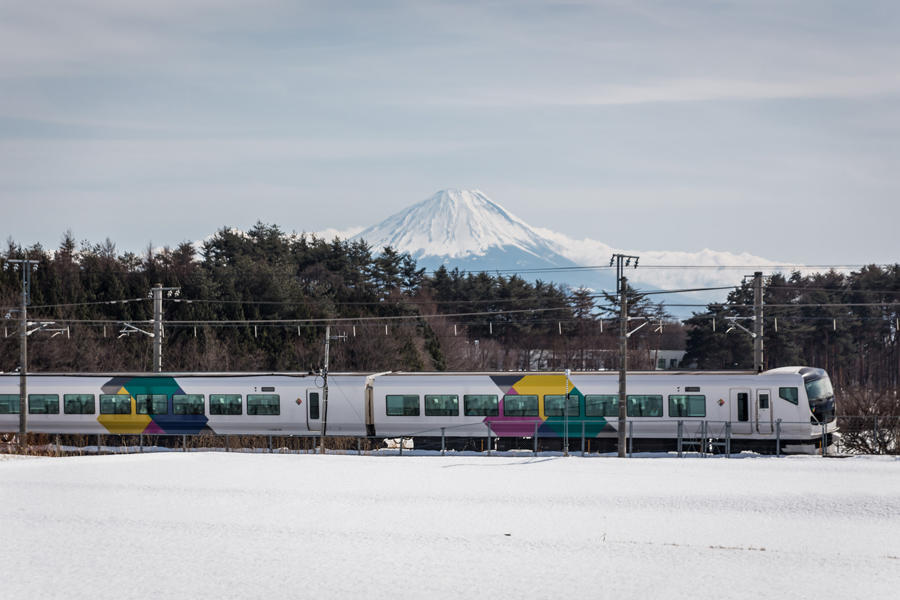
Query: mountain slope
[
  {"x": 468, "y": 230},
  {"x": 459, "y": 224}
]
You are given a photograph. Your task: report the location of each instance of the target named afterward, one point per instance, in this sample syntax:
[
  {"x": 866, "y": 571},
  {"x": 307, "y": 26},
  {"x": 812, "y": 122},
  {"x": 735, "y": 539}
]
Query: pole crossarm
[
  {"x": 734, "y": 324},
  {"x": 41, "y": 326},
  {"x": 128, "y": 328},
  {"x": 633, "y": 331}
]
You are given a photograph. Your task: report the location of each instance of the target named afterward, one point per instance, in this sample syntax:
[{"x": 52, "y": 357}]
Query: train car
[{"x": 791, "y": 404}]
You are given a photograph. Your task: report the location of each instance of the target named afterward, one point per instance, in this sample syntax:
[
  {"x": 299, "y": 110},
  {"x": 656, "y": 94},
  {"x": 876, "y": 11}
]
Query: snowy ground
[{"x": 217, "y": 525}]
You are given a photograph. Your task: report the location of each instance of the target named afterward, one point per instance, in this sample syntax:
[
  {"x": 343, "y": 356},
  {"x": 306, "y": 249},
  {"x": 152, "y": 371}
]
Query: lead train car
[{"x": 461, "y": 407}]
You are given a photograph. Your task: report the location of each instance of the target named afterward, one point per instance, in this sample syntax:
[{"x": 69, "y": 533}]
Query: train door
[
  {"x": 764, "y": 412},
  {"x": 314, "y": 409},
  {"x": 740, "y": 411}
]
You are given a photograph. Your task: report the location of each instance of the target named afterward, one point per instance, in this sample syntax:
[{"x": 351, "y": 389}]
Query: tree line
[
  {"x": 389, "y": 313},
  {"x": 392, "y": 315}
]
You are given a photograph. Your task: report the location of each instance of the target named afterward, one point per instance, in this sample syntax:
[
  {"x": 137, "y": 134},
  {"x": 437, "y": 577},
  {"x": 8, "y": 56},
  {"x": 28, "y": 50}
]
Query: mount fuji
[
  {"x": 468, "y": 230},
  {"x": 465, "y": 229}
]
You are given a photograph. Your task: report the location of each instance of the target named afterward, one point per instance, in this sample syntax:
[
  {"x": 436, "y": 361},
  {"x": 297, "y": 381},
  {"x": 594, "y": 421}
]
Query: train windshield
[
  {"x": 821, "y": 398},
  {"x": 819, "y": 389}
]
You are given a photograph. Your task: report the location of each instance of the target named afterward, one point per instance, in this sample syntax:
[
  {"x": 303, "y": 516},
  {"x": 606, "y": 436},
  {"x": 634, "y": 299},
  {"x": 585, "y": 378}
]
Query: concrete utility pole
[
  {"x": 157, "y": 328},
  {"x": 325, "y": 390},
  {"x": 325, "y": 387},
  {"x": 623, "y": 364},
  {"x": 157, "y": 335},
  {"x": 757, "y": 322},
  {"x": 566, "y": 413},
  {"x": 23, "y": 348},
  {"x": 621, "y": 261}
]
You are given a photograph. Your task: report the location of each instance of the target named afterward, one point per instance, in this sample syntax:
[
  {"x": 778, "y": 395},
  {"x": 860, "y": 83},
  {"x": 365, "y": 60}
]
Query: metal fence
[{"x": 695, "y": 437}]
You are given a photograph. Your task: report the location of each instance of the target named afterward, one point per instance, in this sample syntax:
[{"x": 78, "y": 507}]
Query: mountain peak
[{"x": 455, "y": 223}]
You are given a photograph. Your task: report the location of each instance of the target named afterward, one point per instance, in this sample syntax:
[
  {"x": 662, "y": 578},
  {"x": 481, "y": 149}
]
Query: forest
[{"x": 260, "y": 300}]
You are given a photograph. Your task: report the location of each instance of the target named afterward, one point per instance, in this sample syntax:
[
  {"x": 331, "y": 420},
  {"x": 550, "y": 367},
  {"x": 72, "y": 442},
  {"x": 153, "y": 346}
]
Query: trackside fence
[{"x": 856, "y": 435}]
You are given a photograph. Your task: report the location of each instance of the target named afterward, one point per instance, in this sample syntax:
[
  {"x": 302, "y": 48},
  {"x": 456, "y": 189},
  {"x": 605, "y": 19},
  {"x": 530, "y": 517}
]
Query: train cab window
[
  {"x": 43, "y": 404},
  {"x": 789, "y": 394},
  {"x": 644, "y": 406},
  {"x": 402, "y": 405},
  {"x": 687, "y": 406},
  {"x": 115, "y": 404},
  {"x": 263, "y": 404},
  {"x": 188, "y": 404},
  {"x": 79, "y": 404},
  {"x": 152, "y": 404},
  {"x": 481, "y": 405},
  {"x": 225, "y": 404},
  {"x": 520, "y": 405},
  {"x": 441, "y": 405},
  {"x": 553, "y": 406},
  {"x": 601, "y": 405},
  {"x": 9, "y": 404}
]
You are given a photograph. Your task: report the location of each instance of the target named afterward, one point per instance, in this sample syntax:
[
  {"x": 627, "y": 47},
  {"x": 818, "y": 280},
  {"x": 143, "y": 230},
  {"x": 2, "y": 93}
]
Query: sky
[{"x": 767, "y": 127}]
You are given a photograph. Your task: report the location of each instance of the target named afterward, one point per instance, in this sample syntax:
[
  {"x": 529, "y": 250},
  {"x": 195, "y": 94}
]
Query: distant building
[
  {"x": 667, "y": 360},
  {"x": 605, "y": 359}
]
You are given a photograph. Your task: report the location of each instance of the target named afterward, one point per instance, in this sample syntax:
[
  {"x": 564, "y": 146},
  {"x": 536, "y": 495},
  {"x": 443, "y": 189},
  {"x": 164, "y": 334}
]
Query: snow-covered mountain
[{"x": 466, "y": 229}]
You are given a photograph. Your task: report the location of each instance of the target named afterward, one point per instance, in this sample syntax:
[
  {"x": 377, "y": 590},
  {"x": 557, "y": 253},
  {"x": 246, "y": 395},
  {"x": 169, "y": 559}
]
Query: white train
[{"x": 793, "y": 404}]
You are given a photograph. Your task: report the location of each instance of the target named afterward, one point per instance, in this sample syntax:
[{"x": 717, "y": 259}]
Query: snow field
[{"x": 230, "y": 525}]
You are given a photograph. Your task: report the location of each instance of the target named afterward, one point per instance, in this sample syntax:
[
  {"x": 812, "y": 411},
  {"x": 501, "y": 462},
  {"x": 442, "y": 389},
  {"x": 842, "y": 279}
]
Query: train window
[
  {"x": 481, "y": 405},
  {"x": 188, "y": 404},
  {"x": 553, "y": 406},
  {"x": 402, "y": 406},
  {"x": 225, "y": 404},
  {"x": 152, "y": 404},
  {"x": 443, "y": 405},
  {"x": 43, "y": 404},
  {"x": 743, "y": 406},
  {"x": 115, "y": 404},
  {"x": 687, "y": 406},
  {"x": 789, "y": 394},
  {"x": 645, "y": 406},
  {"x": 520, "y": 405},
  {"x": 314, "y": 405},
  {"x": 9, "y": 404},
  {"x": 763, "y": 400},
  {"x": 263, "y": 404},
  {"x": 601, "y": 405},
  {"x": 79, "y": 404}
]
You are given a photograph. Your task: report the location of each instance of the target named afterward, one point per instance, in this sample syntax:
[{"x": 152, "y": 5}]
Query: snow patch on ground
[{"x": 214, "y": 525}]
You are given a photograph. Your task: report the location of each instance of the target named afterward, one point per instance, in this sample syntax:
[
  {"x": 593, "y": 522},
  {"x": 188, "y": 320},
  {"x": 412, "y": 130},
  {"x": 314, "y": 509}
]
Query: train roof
[{"x": 301, "y": 374}]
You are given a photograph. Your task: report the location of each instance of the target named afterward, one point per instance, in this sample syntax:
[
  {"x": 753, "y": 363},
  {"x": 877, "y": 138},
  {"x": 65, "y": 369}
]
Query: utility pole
[
  {"x": 325, "y": 387},
  {"x": 566, "y": 413},
  {"x": 623, "y": 363},
  {"x": 621, "y": 261},
  {"x": 757, "y": 322},
  {"x": 23, "y": 347},
  {"x": 157, "y": 335}
]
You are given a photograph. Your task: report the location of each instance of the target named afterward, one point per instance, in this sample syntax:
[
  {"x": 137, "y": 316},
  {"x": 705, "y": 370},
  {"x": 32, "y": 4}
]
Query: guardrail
[{"x": 856, "y": 435}]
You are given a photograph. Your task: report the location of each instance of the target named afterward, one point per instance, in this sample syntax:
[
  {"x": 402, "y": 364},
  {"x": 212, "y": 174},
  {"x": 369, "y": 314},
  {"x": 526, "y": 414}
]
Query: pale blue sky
[{"x": 769, "y": 127}]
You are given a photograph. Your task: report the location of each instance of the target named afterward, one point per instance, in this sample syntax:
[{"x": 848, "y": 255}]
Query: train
[{"x": 791, "y": 407}]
